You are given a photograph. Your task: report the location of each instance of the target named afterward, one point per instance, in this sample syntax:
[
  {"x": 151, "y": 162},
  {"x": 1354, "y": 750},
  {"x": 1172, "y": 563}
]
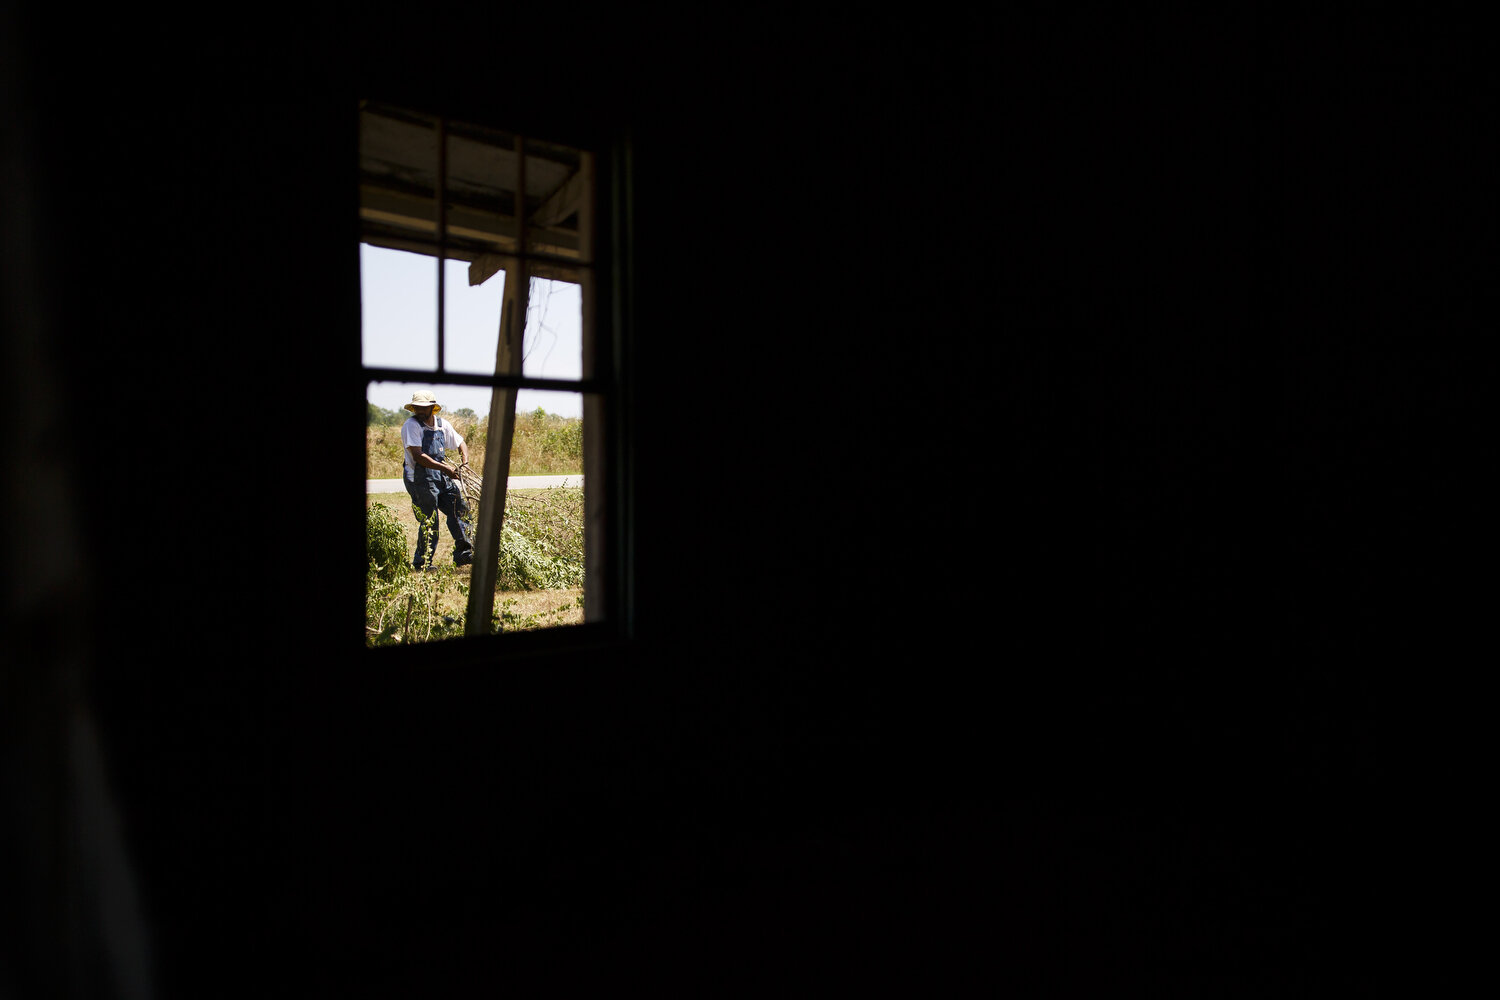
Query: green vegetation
[
  {"x": 385, "y": 544},
  {"x": 540, "y": 574},
  {"x": 541, "y": 541},
  {"x": 541, "y": 546},
  {"x": 375, "y": 416}
]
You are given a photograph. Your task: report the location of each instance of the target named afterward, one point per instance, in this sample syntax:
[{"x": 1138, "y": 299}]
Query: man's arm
[
  {"x": 426, "y": 461},
  {"x": 458, "y": 439}
]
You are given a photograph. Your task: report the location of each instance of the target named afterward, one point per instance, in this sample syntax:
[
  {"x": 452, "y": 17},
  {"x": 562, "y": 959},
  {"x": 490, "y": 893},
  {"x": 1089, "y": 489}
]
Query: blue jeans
[{"x": 432, "y": 491}]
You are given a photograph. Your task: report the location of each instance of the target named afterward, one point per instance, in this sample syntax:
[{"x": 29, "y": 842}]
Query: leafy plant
[
  {"x": 417, "y": 608},
  {"x": 541, "y": 541},
  {"x": 385, "y": 544},
  {"x": 541, "y": 549}
]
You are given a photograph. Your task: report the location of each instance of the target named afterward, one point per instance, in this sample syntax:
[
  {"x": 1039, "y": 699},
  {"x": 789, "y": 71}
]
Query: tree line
[{"x": 378, "y": 416}]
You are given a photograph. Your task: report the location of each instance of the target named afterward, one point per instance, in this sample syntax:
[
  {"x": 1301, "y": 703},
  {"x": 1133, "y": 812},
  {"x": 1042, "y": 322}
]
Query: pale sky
[{"x": 398, "y": 292}]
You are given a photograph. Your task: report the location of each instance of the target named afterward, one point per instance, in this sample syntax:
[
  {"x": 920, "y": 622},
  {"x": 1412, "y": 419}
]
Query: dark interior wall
[{"x": 1081, "y": 707}]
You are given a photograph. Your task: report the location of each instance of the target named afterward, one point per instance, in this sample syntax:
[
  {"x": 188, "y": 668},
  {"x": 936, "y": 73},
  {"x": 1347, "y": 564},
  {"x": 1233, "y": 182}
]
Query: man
[{"x": 427, "y": 474}]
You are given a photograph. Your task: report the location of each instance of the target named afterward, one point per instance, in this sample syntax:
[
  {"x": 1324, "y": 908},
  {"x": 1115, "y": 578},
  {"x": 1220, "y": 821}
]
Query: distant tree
[
  {"x": 466, "y": 413},
  {"x": 376, "y": 416}
]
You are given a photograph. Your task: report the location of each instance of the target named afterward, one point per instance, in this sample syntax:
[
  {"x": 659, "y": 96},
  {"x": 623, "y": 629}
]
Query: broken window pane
[
  {"x": 553, "y": 344},
  {"x": 471, "y": 319}
]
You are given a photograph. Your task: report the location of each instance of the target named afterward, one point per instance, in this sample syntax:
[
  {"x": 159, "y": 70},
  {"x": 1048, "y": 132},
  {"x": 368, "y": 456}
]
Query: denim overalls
[{"x": 431, "y": 490}]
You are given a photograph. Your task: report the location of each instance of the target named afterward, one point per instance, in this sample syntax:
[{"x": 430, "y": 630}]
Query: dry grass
[
  {"x": 544, "y": 608},
  {"x": 531, "y": 453}
]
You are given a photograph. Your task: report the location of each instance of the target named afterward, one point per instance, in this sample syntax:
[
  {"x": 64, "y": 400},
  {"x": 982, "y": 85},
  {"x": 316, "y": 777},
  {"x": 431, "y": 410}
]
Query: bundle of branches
[
  {"x": 472, "y": 485},
  {"x": 542, "y": 541}
]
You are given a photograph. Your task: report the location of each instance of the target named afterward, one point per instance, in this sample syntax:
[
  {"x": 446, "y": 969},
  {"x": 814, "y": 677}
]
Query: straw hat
[{"x": 423, "y": 399}]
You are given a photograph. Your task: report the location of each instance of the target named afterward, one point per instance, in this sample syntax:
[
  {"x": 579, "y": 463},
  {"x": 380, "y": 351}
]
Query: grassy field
[
  {"x": 546, "y": 523},
  {"x": 545, "y": 444},
  {"x": 445, "y": 591}
]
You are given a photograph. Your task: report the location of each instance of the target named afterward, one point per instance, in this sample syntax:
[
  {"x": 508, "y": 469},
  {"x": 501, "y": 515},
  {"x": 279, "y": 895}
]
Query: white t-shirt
[{"x": 411, "y": 435}]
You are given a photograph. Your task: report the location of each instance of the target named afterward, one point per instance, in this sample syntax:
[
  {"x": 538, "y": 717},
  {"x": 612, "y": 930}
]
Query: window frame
[{"x": 603, "y": 385}]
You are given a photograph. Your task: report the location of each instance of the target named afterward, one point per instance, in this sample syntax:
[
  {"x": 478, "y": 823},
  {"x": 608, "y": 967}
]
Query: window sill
[{"x": 505, "y": 648}]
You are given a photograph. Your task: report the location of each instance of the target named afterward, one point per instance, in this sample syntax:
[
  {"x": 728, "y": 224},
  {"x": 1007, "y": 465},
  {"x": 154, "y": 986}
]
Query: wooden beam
[
  {"x": 502, "y": 427},
  {"x": 499, "y": 435},
  {"x": 596, "y": 568},
  {"x": 561, "y": 203},
  {"x": 397, "y": 208},
  {"x": 575, "y": 195},
  {"x": 486, "y": 265},
  {"x": 498, "y": 232}
]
